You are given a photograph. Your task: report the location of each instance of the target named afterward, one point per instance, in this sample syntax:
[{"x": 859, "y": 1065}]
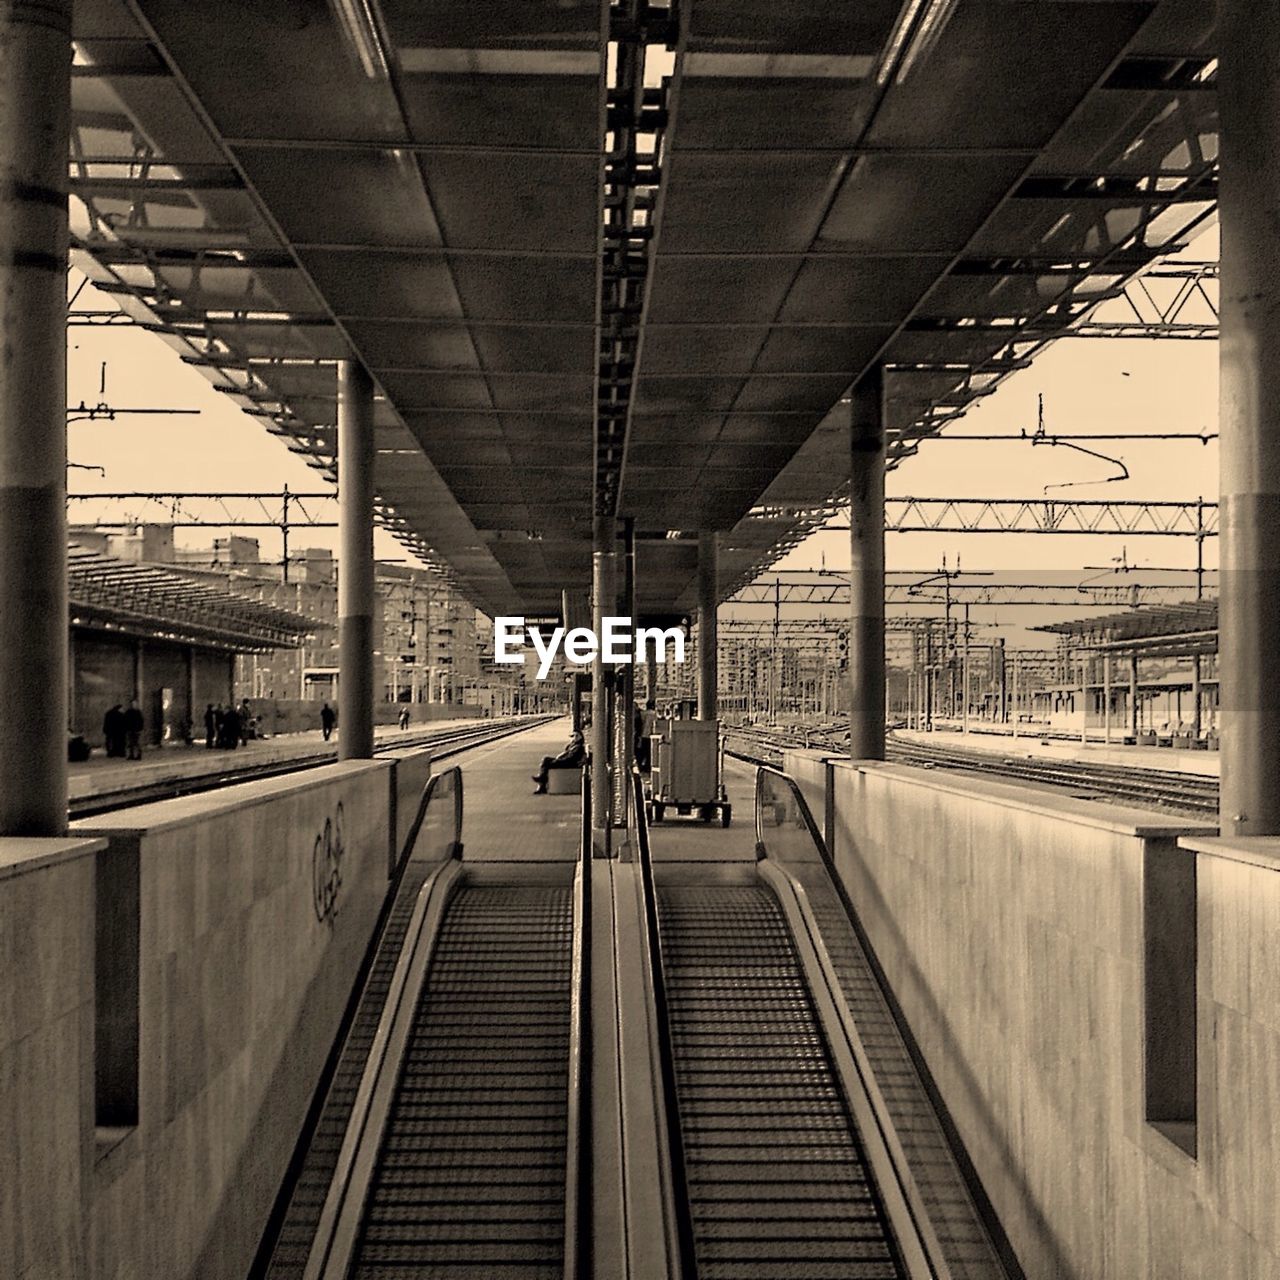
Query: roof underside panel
[{"x": 829, "y": 189}]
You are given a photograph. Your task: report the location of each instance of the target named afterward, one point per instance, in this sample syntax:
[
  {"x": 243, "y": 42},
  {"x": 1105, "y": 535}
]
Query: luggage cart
[{"x": 687, "y": 772}]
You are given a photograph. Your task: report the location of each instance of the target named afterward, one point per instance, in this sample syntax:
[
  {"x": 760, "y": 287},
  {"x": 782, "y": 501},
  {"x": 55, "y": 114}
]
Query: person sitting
[{"x": 573, "y": 756}]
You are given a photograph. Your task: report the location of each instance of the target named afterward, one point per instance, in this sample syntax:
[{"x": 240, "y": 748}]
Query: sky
[{"x": 1088, "y": 386}]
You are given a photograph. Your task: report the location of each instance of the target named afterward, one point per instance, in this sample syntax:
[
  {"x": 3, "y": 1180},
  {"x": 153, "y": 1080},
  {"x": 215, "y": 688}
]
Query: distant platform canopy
[
  {"x": 1168, "y": 631},
  {"x": 141, "y": 599}
]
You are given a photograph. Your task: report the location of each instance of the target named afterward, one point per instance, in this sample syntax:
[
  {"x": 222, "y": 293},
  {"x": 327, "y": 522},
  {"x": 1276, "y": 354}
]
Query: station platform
[
  {"x": 677, "y": 839},
  {"x": 101, "y": 776},
  {"x": 1201, "y": 763},
  {"x": 504, "y": 821}
]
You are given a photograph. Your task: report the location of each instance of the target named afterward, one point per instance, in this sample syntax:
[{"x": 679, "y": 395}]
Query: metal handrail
[
  {"x": 577, "y": 1210},
  {"x": 666, "y": 1054},
  {"x": 428, "y": 792},
  {"x": 802, "y": 805}
]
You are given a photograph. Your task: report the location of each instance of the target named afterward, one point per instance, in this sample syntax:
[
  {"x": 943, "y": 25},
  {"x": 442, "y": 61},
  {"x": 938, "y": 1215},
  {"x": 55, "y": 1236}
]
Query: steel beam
[{"x": 35, "y": 114}]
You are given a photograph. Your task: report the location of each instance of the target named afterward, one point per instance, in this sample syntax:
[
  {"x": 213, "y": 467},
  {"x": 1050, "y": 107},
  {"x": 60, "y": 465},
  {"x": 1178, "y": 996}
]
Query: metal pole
[
  {"x": 355, "y": 565},
  {"x": 284, "y": 535},
  {"x": 866, "y": 571},
  {"x": 964, "y": 675},
  {"x": 35, "y": 92},
  {"x": 1249, "y": 353},
  {"x": 603, "y": 602},
  {"x": 1106, "y": 697},
  {"x": 1084, "y": 698},
  {"x": 1133, "y": 696},
  {"x": 1197, "y": 690},
  {"x": 1015, "y": 694},
  {"x": 708, "y": 602}
]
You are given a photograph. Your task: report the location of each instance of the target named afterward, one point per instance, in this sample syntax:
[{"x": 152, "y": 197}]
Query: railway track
[
  {"x": 1158, "y": 789},
  {"x": 445, "y": 743}
]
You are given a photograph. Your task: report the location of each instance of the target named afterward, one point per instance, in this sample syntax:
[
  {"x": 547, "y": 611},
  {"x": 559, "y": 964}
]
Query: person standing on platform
[
  {"x": 246, "y": 722},
  {"x": 404, "y": 717},
  {"x": 113, "y": 731},
  {"x": 231, "y": 728},
  {"x": 210, "y": 726},
  {"x": 328, "y": 718},
  {"x": 133, "y": 726}
]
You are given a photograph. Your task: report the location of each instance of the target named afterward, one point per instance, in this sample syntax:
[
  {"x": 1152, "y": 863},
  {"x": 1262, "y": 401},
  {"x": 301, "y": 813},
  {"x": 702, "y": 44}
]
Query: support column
[
  {"x": 866, "y": 571},
  {"x": 1197, "y": 698},
  {"x": 1134, "y": 712},
  {"x": 355, "y": 564},
  {"x": 35, "y": 91},
  {"x": 708, "y": 604},
  {"x": 1249, "y": 606},
  {"x": 604, "y": 597}
]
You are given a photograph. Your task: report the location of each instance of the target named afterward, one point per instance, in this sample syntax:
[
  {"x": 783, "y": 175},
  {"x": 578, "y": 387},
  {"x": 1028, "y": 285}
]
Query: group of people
[
  {"x": 122, "y": 731},
  {"x": 226, "y": 728}
]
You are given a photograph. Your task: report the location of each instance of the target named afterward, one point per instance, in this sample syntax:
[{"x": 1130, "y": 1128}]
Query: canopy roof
[
  {"x": 135, "y": 597},
  {"x": 1192, "y": 619},
  {"x": 627, "y": 259}
]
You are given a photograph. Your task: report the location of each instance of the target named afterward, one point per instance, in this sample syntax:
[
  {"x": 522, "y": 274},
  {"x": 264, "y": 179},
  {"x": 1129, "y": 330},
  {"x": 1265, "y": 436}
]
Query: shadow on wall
[{"x": 908, "y": 974}]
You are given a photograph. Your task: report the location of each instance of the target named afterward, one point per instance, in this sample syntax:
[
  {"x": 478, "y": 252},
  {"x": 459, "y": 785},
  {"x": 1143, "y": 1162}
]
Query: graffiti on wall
[{"x": 326, "y": 868}]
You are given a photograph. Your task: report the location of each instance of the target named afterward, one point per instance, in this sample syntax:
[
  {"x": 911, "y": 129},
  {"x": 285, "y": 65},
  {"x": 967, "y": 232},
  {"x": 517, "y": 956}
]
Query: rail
[
  {"x": 438, "y": 785},
  {"x": 666, "y": 1053}
]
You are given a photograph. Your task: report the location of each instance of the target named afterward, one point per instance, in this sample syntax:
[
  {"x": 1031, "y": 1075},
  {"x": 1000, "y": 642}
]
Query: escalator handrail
[
  {"x": 577, "y": 1210},
  {"x": 354, "y": 1138},
  {"x": 802, "y": 806},
  {"x": 424, "y": 803},
  {"x": 666, "y": 1054}
]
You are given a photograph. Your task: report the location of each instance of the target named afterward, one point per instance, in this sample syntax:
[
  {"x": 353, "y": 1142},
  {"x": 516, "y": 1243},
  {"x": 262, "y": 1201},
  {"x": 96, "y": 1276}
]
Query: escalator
[
  {"x": 807, "y": 1140},
  {"x": 470, "y": 1176},
  {"x": 736, "y": 1125},
  {"x": 449, "y": 1144},
  {"x": 777, "y": 1180}
]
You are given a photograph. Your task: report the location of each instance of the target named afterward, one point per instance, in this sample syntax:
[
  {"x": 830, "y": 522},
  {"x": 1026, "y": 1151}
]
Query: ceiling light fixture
[{"x": 360, "y": 28}]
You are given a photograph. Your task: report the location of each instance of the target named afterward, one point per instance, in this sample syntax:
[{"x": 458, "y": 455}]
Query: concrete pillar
[
  {"x": 604, "y": 597},
  {"x": 1249, "y": 606},
  {"x": 708, "y": 604},
  {"x": 355, "y": 564},
  {"x": 35, "y": 90},
  {"x": 866, "y": 572}
]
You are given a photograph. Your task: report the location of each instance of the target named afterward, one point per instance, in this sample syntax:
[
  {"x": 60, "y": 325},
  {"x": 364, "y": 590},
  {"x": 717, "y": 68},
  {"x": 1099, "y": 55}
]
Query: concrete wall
[
  {"x": 232, "y": 926},
  {"x": 46, "y": 1055},
  {"x": 1047, "y": 955}
]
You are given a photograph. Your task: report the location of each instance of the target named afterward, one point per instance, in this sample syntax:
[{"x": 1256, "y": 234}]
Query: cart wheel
[
  {"x": 726, "y": 812},
  {"x": 658, "y": 811},
  {"x": 706, "y": 812}
]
